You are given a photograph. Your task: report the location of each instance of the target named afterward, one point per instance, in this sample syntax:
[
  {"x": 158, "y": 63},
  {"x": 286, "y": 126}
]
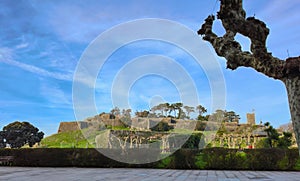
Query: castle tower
[{"x": 251, "y": 118}]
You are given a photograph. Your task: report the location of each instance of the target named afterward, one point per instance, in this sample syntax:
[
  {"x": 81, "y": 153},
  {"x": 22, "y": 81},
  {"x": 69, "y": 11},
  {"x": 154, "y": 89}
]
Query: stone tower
[{"x": 251, "y": 118}]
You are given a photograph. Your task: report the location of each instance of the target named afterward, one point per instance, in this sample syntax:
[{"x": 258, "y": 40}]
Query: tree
[
  {"x": 154, "y": 109},
  {"x": 166, "y": 108},
  {"x": 231, "y": 116},
  {"x": 17, "y": 134},
  {"x": 188, "y": 110},
  {"x": 218, "y": 116},
  {"x": 142, "y": 114},
  {"x": 234, "y": 20},
  {"x": 285, "y": 141},
  {"x": 115, "y": 111},
  {"x": 201, "y": 110},
  {"x": 2, "y": 140},
  {"x": 126, "y": 117},
  {"x": 126, "y": 113},
  {"x": 178, "y": 106},
  {"x": 163, "y": 107},
  {"x": 262, "y": 143},
  {"x": 172, "y": 108},
  {"x": 273, "y": 135}
]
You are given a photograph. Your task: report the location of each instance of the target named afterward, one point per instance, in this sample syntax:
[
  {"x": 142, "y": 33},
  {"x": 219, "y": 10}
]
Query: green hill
[{"x": 71, "y": 139}]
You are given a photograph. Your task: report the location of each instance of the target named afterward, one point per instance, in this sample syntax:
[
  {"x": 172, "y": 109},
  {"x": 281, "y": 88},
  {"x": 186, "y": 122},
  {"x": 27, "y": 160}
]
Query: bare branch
[{"x": 233, "y": 20}]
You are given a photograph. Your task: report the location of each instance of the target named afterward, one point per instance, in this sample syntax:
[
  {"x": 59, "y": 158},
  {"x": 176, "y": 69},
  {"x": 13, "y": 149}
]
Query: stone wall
[
  {"x": 71, "y": 126},
  {"x": 106, "y": 119},
  {"x": 230, "y": 127},
  {"x": 185, "y": 124},
  {"x": 112, "y": 122},
  {"x": 95, "y": 121},
  {"x": 144, "y": 124}
]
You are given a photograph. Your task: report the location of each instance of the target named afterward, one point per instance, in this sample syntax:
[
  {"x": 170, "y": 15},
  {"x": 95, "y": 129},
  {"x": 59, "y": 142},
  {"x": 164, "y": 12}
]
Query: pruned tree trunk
[
  {"x": 293, "y": 90},
  {"x": 234, "y": 21}
]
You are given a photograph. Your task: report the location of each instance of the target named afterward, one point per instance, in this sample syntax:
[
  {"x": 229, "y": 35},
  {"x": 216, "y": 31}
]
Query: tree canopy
[
  {"x": 17, "y": 134},
  {"x": 179, "y": 110},
  {"x": 274, "y": 139}
]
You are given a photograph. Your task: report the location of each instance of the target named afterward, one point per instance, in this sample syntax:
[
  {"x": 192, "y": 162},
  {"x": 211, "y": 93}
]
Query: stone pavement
[{"x": 126, "y": 174}]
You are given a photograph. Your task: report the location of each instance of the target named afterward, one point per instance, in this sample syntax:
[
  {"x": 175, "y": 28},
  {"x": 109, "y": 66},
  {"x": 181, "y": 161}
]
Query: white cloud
[
  {"x": 85, "y": 24},
  {"x": 6, "y": 57},
  {"x": 22, "y": 45},
  {"x": 56, "y": 96}
]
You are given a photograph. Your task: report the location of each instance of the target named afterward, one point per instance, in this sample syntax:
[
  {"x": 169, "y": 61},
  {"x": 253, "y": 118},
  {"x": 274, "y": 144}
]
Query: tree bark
[
  {"x": 293, "y": 90},
  {"x": 234, "y": 21}
]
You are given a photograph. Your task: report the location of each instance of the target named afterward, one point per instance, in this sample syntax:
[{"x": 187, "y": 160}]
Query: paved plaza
[{"x": 126, "y": 174}]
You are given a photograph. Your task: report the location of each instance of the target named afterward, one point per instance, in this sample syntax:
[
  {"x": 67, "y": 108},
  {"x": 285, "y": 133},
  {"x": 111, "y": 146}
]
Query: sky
[{"x": 42, "y": 43}]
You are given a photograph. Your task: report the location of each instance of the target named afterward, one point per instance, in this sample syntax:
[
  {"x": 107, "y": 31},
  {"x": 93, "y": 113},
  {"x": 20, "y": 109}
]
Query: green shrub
[
  {"x": 166, "y": 162},
  {"x": 212, "y": 158},
  {"x": 161, "y": 126},
  {"x": 200, "y": 161},
  {"x": 242, "y": 161},
  {"x": 283, "y": 164},
  {"x": 263, "y": 143},
  {"x": 297, "y": 165},
  {"x": 193, "y": 141}
]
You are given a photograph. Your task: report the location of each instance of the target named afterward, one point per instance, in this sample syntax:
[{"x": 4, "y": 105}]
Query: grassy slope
[
  {"x": 76, "y": 139},
  {"x": 66, "y": 140}
]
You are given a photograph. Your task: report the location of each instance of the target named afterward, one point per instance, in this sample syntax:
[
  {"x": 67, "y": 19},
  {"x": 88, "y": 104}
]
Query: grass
[
  {"x": 85, "y": 138},
  {"x": 120, "y": 128},
  {"x": 185, "y": 131},
  {"x": 71, "y": 139}
]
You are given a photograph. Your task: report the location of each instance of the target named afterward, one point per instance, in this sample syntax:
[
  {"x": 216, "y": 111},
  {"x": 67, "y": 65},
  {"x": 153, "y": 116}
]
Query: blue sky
[{"x": 42, "y": 42}]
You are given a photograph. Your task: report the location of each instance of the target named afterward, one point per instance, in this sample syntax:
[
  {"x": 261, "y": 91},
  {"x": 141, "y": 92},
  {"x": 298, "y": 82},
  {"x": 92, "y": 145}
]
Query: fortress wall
[
  {"x": 71, "y": 126},
  {"x": 112, "y": 122},
  {"x": 68, "y": 126}
]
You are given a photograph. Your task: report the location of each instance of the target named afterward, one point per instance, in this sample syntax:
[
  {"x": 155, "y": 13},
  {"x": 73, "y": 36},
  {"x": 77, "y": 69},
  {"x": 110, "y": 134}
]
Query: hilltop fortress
[{"x": 230, "y": 134}]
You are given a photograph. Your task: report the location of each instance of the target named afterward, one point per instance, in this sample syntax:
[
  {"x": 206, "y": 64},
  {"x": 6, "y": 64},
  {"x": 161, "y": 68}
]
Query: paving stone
[{"x": 126, "y": 174}]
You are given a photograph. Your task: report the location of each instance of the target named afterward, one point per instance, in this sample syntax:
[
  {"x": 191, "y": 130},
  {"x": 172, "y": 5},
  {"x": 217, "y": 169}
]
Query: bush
[
  {"x": 297, "y": 165},
  {"x": 166, "y": 162},
  {"x": 200, "y": 161},
  {"x": 212, "y": 158},
  {"x": 161, "y": 126},
  {"x": 241, "y": 160},
  {"x": 193, "y": 141}
]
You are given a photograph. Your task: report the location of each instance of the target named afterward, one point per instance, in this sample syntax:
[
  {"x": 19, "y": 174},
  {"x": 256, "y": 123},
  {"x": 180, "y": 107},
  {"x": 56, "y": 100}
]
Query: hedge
[{"x": 211, "y": 158}]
